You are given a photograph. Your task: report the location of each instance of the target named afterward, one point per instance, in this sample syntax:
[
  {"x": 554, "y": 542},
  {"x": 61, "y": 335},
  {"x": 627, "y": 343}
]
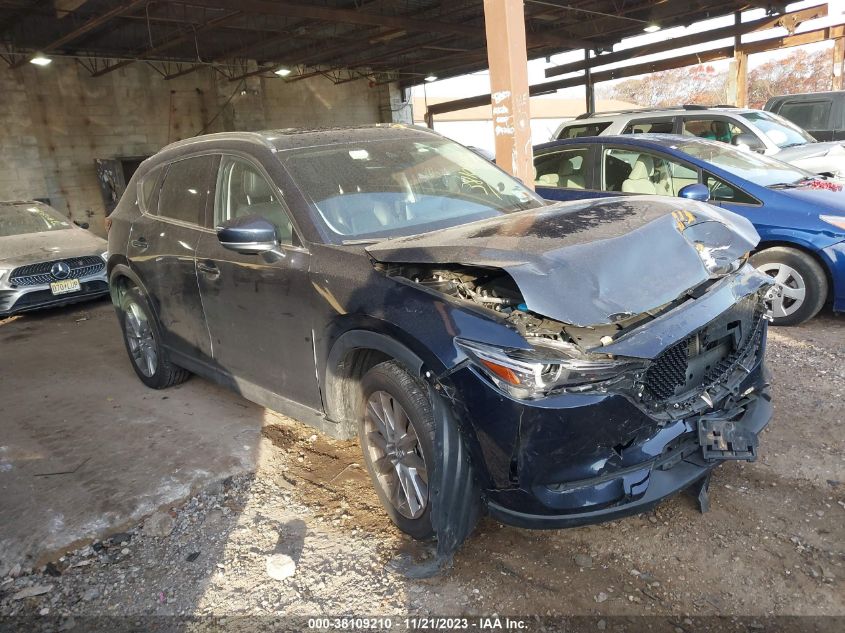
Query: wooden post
[
  {"x": 738, "y": 83},
  {"x": 588, "y": 83},
  {"x": 507, "y": 56},
  {"x": 838, "y": 62}
]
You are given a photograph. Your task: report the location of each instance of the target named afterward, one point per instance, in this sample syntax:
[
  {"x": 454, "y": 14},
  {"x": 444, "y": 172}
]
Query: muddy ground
[{"x": 772, "y": 544}]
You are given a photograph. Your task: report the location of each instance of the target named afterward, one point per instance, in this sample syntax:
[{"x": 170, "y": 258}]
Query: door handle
[
  {"x": 209, "y": 269},
  {"x": 141, "y": 243}
]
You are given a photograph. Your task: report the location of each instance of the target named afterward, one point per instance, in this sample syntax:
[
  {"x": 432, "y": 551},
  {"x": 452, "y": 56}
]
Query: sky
[{"x": 479, "y": 83}]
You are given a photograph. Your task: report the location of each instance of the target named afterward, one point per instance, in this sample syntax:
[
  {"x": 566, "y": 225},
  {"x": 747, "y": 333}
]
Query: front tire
[
  {"x": 143, "y": 343},
  {"x": 396, "y": 431},
  {"x": 801, "y": 285}
]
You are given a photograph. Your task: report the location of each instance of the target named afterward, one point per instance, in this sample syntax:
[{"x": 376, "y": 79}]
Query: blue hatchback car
[{"x": 800, "y": 219}]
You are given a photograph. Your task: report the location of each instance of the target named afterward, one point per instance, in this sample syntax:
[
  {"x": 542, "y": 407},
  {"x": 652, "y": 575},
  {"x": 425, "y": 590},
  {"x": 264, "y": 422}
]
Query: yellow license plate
[{"x": 65, "y": 286}]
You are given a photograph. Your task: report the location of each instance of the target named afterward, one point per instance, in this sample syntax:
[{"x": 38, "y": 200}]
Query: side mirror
[
  {"x": 250, "y": 234},
  {"x": 695, "y": 192},
  {"x": 749, "y": 142}
]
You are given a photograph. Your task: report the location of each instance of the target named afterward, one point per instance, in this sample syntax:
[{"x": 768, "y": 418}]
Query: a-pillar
[{"x": 508, "y": 59}]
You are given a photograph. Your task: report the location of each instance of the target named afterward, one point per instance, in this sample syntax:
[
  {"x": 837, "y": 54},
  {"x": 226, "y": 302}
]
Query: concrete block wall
[{"x": 54, "y": 121}]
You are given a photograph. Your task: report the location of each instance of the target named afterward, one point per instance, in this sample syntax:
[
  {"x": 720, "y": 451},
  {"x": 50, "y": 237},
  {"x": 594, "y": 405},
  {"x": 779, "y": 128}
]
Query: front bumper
[
  {"x": 834, "y": 257},
  {"x": 637, "y": 490},
  {"x": 24, "y": 299},
  {"x": 576, "y": 458}
]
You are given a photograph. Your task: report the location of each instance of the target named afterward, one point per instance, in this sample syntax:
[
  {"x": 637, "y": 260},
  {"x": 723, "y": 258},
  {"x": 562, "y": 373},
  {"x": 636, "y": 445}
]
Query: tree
[
  {"x": 693, "y": 84},
  {"x": 800, "y": 71}
]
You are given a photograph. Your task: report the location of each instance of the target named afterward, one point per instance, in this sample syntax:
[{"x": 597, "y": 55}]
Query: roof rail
[{"x": 686, "y": 106}]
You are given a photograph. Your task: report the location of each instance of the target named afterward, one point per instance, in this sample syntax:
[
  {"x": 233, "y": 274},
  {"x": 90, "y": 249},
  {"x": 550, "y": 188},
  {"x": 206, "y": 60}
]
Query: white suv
[{"x": 757, "y": 130}]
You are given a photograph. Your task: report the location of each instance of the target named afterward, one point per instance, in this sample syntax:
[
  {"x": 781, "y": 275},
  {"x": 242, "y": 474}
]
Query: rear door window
[
  {"x": 650, "y": 126},
  {"x": 586, "y": 129},
  {"x": 567, "y": 169},
  {"x": 810, "y": 115},
  {"x": 186, "y": 189}
]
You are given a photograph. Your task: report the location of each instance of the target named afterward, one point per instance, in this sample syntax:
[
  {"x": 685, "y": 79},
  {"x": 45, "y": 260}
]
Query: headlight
[
  {"x": 105, "y": 256},
  {"x": 527, "y": 374},
  {"x": 717, "y": 262},
  {"x": 836, "y": 220}
]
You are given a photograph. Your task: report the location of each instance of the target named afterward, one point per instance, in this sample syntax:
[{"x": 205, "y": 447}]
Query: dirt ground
[{"x": 772, "y": 544}]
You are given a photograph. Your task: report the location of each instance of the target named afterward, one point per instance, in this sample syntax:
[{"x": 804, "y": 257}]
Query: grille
[
  {"x": 669, "y": 371},
  {"x": 39, "y": 274},
  {"x": 680, "y": 369}
]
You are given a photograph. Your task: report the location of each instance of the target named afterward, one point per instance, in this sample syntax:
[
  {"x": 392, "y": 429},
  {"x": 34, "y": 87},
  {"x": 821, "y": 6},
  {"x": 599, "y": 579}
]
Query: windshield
[
  {"x": 20, "y": 219},
  {"x": 779, "y": 131},
  {"x": 399, "y": 187},
  {"x": 761, "y": 170}
]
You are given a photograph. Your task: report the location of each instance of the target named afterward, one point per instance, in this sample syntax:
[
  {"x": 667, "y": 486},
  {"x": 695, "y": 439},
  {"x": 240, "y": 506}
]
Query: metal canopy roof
[{"x": 384, "y": 40}]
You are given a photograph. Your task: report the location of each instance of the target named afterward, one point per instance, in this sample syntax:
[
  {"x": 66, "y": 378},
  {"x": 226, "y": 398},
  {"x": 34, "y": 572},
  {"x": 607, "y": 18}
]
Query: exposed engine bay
[
  {"x": 494, "y": 289},
  {"x": 699, "y": 373}
]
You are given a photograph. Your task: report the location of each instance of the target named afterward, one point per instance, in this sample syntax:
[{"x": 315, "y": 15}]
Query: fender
[
  {"x": 334, "y": 383},
  {"x": 123, "y": 270}
]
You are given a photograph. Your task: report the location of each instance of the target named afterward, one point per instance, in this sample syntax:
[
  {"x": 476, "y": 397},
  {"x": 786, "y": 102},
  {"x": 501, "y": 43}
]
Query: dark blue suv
[{"x": 550, "y": 364}]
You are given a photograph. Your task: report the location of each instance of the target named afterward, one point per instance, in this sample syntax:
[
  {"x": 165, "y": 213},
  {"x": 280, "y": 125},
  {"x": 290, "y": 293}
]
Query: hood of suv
[
  {"x": 590, "y": 262},
  {"x": 40, "y": 247},
  {"x": 812, "y": 150}
]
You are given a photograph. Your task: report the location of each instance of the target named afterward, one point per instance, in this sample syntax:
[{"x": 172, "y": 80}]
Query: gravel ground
[{"x": 772, "y": 544}]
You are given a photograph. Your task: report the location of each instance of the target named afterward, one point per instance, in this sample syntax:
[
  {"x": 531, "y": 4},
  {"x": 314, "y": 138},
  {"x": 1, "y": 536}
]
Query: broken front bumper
[{"x": 626, "y": 492}]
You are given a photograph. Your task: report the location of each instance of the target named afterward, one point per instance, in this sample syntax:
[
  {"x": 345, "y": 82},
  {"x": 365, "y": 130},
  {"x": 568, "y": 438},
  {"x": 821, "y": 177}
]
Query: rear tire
[
  {"x": 396, "y": 431},
  {"x": 143, "y": 343},
  {"x": 801, "y": 284}
]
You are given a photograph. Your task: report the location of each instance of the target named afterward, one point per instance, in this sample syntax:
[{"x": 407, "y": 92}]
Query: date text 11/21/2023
[{"x": 478, "y": 623}]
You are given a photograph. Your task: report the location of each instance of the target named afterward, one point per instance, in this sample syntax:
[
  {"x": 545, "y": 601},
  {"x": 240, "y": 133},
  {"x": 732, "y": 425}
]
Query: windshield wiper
[{"x": 784, "y": 185}]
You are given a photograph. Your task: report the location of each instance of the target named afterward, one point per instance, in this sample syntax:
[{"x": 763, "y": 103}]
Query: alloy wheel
[
  {"x": 142, "y": 344},
  {"x": 396, "y": 454},
  {"x": 790, "y": 289}
]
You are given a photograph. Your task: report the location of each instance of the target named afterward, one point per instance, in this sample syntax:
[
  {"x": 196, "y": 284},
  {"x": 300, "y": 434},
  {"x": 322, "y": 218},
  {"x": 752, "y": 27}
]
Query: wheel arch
[
  {"x": 806, "y": 250},
  {"x": 353, "y": 354}
]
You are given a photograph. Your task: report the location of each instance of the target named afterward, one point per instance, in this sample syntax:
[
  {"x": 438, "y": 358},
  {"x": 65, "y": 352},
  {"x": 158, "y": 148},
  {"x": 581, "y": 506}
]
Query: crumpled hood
[
  {"x": 49, "y": 245},
  {"x": 590, "y": 262}
]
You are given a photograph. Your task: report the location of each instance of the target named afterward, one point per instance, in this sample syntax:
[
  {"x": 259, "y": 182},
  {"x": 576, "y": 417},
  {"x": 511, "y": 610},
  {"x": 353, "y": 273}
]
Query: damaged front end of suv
[{"x": 635, "y": 364}]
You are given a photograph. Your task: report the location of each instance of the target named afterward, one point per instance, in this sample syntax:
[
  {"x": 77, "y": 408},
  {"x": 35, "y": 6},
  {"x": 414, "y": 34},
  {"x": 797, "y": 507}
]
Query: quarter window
[
  {"x": 147, "y": 189},
  {"x": 186, "y": 188},
  {"x": 243, "y": 190},
  {"x": 587, "y": 129},
  {"x": 720, "y": 191},
  {"x": 562, "y": 169}
]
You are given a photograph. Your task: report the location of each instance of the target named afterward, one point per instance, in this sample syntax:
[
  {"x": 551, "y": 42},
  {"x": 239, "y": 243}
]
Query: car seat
[
  {"x": 569, "y": 177},
  {"x": 639, "y": 180},
  {"x": 260, "y": 201}
]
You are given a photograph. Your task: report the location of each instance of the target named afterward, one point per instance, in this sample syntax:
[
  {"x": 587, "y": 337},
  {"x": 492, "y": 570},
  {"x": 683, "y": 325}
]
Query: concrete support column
[
  {"x": 507, "y": 56},
  {"x": 838, "y": 63}
]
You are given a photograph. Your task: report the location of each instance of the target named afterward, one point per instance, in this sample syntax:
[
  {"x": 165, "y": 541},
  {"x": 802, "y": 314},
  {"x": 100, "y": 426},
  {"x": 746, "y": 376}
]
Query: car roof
[{"x": 292, "y": 138}]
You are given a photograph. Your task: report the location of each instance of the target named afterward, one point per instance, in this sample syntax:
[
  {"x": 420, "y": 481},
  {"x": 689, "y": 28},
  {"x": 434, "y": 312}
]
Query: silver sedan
[{"x": 46, "y": 260}]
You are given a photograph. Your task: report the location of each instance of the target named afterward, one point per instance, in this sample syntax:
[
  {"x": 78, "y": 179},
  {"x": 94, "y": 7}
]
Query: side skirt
[{"x": 261, "y": 396}]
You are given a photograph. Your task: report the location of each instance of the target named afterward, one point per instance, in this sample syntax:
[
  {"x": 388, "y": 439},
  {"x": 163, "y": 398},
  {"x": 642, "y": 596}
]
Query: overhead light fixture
[
  {"x": 431, "y": 78},
  {"x": 40, "y": 60},
  {"x": 283, "y": 72},
  {"x": 652, "y": 28}
]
